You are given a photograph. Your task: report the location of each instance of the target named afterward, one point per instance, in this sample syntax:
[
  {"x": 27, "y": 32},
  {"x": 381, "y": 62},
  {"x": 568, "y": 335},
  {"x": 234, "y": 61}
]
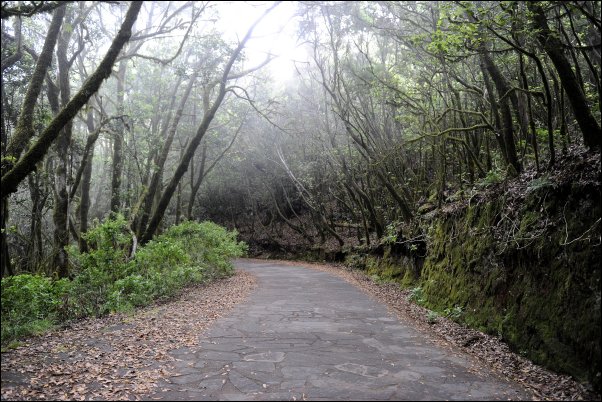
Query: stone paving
[{"x": 305, "y": 334}]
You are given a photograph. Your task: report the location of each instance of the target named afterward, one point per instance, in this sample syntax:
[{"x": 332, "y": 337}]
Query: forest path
[{"x": 306, "y": 334}]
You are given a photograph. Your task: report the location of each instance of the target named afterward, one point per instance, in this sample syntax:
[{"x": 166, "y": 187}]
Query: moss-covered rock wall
[{"x": 524, "y": 265}]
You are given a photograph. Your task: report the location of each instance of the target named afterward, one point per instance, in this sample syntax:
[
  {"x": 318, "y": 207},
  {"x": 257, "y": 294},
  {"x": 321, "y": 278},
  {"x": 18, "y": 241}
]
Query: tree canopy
[{"x": 160, "y": 112}]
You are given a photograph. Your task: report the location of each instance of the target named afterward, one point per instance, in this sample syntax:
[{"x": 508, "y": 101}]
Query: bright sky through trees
[{"x": 275, "y": 35}]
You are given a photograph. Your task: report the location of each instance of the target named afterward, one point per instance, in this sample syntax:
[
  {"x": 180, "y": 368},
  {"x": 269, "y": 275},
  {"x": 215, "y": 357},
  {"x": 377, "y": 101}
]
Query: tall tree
[
  {"x": 15, "y": 168},
  {"x": 200, "y": 133},
  {"x": 592, "y": 134}
]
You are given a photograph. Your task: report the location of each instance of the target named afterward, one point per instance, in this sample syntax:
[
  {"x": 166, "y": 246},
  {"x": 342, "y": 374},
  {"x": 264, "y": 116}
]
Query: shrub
[
  {"x": 30, "y": 304},
  {"x": 131, "y": 291},
  {"x": 416, "y": 295},
  {"x": 106, "y": 279},
  {"x": 159, "y": 270},
  {"x": 98, "y": 269},
  {"x": 390, "y": 235},
  {"x": 431, "y": 317},
  {"x": 539, "y": 183},
  {"x": 184, "y": 254},
  {"x": 454, "y": 313},
  {"x": 160, "y": 255},
  {"x": 208, "y": 244},
  {"x": 109, "y": 245},
  {"x": 357, "y": 261}
]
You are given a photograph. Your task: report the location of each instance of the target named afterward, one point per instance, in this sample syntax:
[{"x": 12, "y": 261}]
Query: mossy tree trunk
[
  {"x": 592, "y": 136},
  {"x": 7, "y": 268},
  {"x": 84, "y": 203},
  {"x": 38, "y": 191},
  {"x": 24, "y": 130},
  {"x": 195, "y": 186},
  {"x": 118, "y": 141},
  {"x": 15, "y": 168},
  {"x": 61, "y": 197},
  {"x": 11, "y": 179}
]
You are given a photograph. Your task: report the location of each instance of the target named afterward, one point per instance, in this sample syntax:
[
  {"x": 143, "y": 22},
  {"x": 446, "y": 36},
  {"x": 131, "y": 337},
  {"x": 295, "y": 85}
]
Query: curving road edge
[{"x": 308, "y": 335}]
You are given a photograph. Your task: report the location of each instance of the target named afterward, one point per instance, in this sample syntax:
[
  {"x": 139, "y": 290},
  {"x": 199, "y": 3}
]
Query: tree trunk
[
  {"x": 12, "y": 178},
  {"x": 118, "y": 142},
  {"x": 84, "y": 203},
  {"x": 532, "y": 135},
  {"x": 61, "y": 195},
  {"x": 182, "y": 167},
  {"x": 179, "y": 204},
  {"x": 194, "y": 143},
  {"x": 153, "y": 188},
  {"x": 35, "y": 220},
  {"x": 592, "y": 136},
  {"x": 24, "y": 130},
  {"x": 7, "y": 268},
  {"x": 502, "y": 87},
  {"x": 194, "y": 187}
]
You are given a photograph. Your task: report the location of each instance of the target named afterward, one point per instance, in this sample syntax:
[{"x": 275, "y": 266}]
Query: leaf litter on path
[
  {"x": 488, "y": 349},
  {"x": 120, "y": 356}
]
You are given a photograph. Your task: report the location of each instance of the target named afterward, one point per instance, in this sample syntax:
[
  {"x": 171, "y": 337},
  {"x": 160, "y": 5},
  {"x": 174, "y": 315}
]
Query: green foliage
[
  {"x": 454, "y": 313},
  {"x": 159, "y": 255},
  {"x": 9, "y": 160},
  {"x": 539, "y": 183},
  {"x": 98, "y": 269},
  {"x": 380, "y": 280},
  {"x": 159, "y": 270},
  {"x": 357, "y": 261},
  {"x": 492, "y": 177},
  {"x": 416, "y": 295},
  {"x": 109, "y": 244},
  {"x": 431, "y": 317},
  {"x": 390, "y": 235},
  {"x": 30, "y": 304},
  {"x": 133, "y": 290},
  {"x": 107, "y": 279},
  {"x": 184, "y": 254},
  {"x": 209, "y": 244}
]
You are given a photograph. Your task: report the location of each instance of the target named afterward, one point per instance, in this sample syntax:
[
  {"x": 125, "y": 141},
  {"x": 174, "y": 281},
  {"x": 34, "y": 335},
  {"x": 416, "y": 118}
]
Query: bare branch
[{"x": 31, "y": 9}]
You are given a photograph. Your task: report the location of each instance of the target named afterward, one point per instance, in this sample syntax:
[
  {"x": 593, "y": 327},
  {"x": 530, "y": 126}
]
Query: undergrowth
[{"x": 106, "y": 279}]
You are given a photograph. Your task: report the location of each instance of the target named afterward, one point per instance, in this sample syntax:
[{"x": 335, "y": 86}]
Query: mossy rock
[{"x": 526, "y": 272}]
